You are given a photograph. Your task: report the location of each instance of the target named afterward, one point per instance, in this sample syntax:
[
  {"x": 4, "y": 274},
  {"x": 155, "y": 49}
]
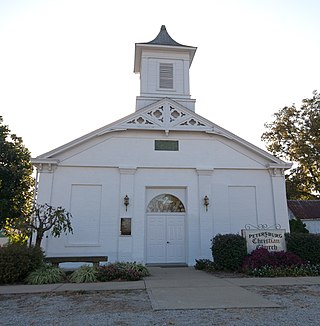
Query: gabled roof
[
  {"x": 305, "y": 209},
  {"x": 165, "y": 115}
]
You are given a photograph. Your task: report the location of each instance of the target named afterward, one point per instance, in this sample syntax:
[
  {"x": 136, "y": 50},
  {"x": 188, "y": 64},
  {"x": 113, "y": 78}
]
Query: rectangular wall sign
[{"x": 272, "y": 239}]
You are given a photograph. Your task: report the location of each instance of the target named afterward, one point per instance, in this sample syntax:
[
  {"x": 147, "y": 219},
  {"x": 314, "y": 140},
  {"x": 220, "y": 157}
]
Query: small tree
[
  {"x": 45, "y": 218},
  {"x": 297, "y": 226}
]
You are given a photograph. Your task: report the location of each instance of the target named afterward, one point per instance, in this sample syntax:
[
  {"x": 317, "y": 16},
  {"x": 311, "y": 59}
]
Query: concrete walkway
[
  {"x": 187, "y": 288},
  {"x": 181, "y": 288},
  {"x": 65, "y": 287}
]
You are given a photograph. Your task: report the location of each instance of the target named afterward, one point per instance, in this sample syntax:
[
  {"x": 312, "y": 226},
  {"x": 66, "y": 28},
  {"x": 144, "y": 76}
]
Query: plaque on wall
[{"x": 125, "y": 226}]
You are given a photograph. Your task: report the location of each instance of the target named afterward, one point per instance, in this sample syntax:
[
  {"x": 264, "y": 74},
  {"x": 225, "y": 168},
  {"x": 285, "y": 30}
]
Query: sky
[{"x": 66, "y": 66}]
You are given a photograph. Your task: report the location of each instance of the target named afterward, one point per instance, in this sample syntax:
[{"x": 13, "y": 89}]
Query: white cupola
[{"x": 164, "y": 66}]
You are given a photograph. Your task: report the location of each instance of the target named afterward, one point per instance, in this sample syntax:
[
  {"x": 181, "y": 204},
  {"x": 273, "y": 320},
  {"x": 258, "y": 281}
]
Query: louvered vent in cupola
[{"x": 166, "y": 75}]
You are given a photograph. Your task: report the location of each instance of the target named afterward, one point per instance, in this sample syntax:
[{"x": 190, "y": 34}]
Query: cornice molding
[{"x": 45, "y": 165}]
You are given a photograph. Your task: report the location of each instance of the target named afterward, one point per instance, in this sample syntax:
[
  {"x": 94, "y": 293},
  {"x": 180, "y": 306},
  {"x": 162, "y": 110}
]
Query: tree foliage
[
  {"x": 42, "y": 218},
  {"x": 294, "y": 135},
  {"x": 16, "y": 182},
  {"x": 47, "y": 218}
]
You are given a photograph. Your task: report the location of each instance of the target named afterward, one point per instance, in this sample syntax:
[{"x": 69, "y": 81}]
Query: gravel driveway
[{"x": 300, "y": 305}]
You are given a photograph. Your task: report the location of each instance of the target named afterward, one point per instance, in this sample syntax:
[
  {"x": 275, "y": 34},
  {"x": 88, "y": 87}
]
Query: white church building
[{"x": 155, "y": 186}]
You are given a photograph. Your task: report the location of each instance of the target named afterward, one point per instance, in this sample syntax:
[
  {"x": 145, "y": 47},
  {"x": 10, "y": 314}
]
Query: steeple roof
[
  {"x": 163, "y": 41},
  {"x": 163, "y": 38}
]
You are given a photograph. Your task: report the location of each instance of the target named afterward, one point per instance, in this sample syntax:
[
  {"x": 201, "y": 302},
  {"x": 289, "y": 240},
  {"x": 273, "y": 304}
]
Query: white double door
[{"x": 165, "y": 238}]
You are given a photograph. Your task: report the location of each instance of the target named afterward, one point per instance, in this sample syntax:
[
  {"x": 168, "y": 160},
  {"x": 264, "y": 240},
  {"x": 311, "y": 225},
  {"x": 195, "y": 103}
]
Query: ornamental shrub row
[
  {"x": 88, "y": 274},
  {"x": 262, "y": 257},
  {"x": 122, "y": 271},
  {"x": 301, "y": 259},
  {"x": 268, "y": 271},
  {"x": 20, "y": 263}
]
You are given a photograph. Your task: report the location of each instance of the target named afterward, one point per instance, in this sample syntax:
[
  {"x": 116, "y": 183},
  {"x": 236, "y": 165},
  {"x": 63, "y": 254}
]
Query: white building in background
[
  {"x": 308, "y": 211},
  {"x": 158, "y": 184}
]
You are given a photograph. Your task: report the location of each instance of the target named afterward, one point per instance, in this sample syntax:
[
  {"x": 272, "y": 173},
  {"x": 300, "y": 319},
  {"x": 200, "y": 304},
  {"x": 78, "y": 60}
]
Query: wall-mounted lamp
[
  {"x": 126, "y": 201},
  {"x": 206, "y": 202}
]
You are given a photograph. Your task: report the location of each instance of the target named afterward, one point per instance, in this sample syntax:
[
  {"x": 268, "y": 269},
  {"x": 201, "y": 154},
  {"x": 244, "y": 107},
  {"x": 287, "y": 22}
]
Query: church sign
[{"x": 270, "y": 239}]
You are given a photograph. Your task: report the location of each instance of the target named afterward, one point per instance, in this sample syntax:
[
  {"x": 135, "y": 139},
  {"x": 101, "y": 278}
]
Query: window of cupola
[{"x": 166, "y": 75}]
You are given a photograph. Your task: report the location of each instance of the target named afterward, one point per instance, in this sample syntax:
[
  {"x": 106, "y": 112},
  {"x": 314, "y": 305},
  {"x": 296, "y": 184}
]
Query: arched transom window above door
[{"x": 165, "y": 203}]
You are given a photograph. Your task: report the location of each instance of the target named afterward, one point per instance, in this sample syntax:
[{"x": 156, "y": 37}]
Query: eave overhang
[{"x": 139, "y": 47}]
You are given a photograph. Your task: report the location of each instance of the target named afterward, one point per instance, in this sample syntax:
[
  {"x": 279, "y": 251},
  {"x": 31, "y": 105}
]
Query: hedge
[{"x": 305, "y": 245}]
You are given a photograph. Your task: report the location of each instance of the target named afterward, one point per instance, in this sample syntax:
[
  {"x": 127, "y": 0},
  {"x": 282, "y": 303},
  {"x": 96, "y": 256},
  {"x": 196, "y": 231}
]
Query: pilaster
[
  {"x": 126, "y": 209},
  {"x": 205, "y": 211},
  {"x": 279, "y": 197}
]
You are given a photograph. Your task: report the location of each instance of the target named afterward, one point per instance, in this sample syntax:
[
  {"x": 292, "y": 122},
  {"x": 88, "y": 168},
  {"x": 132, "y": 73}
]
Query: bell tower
[{"x": 163, "y": 65}]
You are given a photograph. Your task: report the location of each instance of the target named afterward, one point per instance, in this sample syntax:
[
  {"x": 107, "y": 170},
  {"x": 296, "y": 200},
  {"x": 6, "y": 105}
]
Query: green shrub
[
  {"x": 84, "y": 274},
  {"x": 305, "y": 245},
  {"x": 18, "y": 261},
  {"x": 46, "y": 275},
  {"x": 202, "y": 264},
  {"x": 228, "y": 251},
  {"x": 206, "y": 265},
  {"x": 143, "y": 270},
  {"x": 122, "y": 271}
]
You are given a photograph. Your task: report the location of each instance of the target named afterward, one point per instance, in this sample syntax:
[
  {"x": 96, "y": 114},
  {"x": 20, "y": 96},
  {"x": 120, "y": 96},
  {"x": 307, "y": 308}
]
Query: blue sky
[{"x": 66, "y": 66}]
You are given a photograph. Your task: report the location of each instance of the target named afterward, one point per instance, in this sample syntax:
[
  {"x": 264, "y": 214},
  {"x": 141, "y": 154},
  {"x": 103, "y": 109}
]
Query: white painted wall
[{"x": 92, "y": 179}]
